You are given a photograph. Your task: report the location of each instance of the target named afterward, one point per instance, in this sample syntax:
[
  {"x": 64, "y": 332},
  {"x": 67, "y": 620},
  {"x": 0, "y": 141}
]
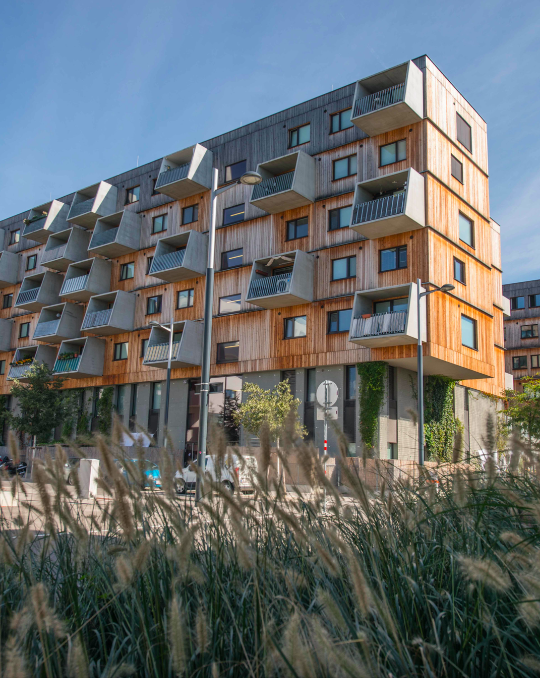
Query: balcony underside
[
  {"x": 385, "y": 119},
  {"x": 280, "y": 202},
  {"x": 391, "y": 225},
  {"x": 179, "y": 188},
  {"x": 434, "y": 365},
  {"x": 277, "y": 300}
]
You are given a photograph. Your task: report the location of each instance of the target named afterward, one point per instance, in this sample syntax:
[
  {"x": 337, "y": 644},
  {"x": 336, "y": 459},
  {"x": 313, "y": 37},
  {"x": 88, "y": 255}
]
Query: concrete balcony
[
  {"x": 65, "y": 248},
  {"x": 9, "y": 269},
  {"x": 86, "y": 278},
  {"x": 507, "y": 313},
  {"x": 39, "y": 290},
  {"x": 46, "y": 219},
  {"x": 389, "y": 100},
  {"x": 376, "y": 324},
  {"x": 288, "y": 182},
  {"x": 28, "y": 356},
  {"x": 110, "y": 313},
  {"x": 6, "y": 327},
  {"x": 91, "y": 203},
  {"x": 59, "y": 322},
  {"x": 388, "y": 205},
  {"x": 282, "y": 280},
  {"x": 82, "y": 357},
  {"x": 180, "y": 257},
  {"x": 187, "y": 346},
  {"x": 186, "y": 172},
  {"x": 117, "y": 234}
]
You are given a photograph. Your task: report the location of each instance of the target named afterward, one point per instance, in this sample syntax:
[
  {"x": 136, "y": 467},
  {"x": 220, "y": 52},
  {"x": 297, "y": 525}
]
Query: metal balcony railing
[
  {"x": 167, "y": 261},
  {"x": 46, "y": 329},
  {"x": 379, "y": 324},
  {"x": 174, "y": 174},
  {"x": 377, "y": 100},
  {"x": 34, "y": 225},
  {"x": 54, "y": 253},
  {"x": 388, "y": 206},
  {"x": 266, "y": 287},
  {"x": 81, "y": 208},
  {"x": 67, "y": 365},
  {"x": 28, "y": 295},
  {"x": 272, "y": 185},
  {"x": 103, "y": 238},
  {"x": 18, "y": 371},
  {"x": 160, "y": 352},
  {"x": 96, "y": 319},
  {"x": 74, "y": 284}
]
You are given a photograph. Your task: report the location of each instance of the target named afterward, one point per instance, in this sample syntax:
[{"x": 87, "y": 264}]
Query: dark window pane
[
  {"x": 133, "y": 194},
  {"x": 466, "y": 233},
  {"x": 340, "y": 218},
  {"x": 402, "y": 257},
  {"x": 352, "y": 267},
  {"x": 234, "y": 172},
  {"x": 519, "y": 362},
  {"x": 230, "y": 304},
  {"x": 144, "y": 346},
  {"x": 153, "y": 305},
  {"x": 388, "y": 154},
  {"x": 468, "y": 332},
  {"x": 299, "y": 136},
  {"x": 232, "y": 215},
  {"x": 345, "y": 320},
  {"x": 159, "y": 224},
  {"x": 339, "y": 269},
  {"x": 341, "y": 168},
  {"x": 190, "y": 214},
  {"x": 350, "y": 382},
  {"x": 517, "y": 303},
  {"x": 464, "y": 132},
  {"x": 155, "y": 401},
  {"x": 185, "y": 298},
  {"x": 534, "y": 300},
  {"x": 232, "y": 259},
  {"x": 149, "y": 261},
  {"x": 127, "y": 271},
  {"x": 8, "y": 300},
  {"x": 457, "y": 169},
  {"x": 121, "y": 351},
  {"x": 228, "y": 352},
  {"x": 14, "y": 237},
  {"x": 389, "y": 259}
]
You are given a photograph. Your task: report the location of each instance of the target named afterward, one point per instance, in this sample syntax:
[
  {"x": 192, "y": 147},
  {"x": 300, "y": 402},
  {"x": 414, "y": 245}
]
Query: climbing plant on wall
[
  {"x": 370, "y": 398},
  {"x": 440, "y": 424}
]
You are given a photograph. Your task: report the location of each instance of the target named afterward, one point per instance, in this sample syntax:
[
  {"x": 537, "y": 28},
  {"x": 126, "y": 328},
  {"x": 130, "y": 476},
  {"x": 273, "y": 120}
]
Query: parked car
[
  {"x": 235, "y": 474},
  {"x": 8, "y": 466},
  {"x": 151, "y": 472},
  {"x": 70, "y": 468}
]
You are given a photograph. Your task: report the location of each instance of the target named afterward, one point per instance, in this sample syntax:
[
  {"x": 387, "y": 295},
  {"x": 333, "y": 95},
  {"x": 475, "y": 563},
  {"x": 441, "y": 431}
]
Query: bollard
[{"x": 88, "y": 473}]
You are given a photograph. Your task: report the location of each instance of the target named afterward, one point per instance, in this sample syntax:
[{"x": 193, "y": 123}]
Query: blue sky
[{"x": 87, "y": 88}]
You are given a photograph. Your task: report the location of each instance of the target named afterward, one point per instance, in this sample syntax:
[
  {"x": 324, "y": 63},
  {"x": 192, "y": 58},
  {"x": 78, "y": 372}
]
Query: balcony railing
[
  {"x": 18, "y": 371},
  {"x": 97, "y": 319},
  {"x": 34, "y": 225},
  {"x": 54, "y": 253},
  {"x": 167, "y": 261},
  {"x": 46, "y": 329},
  {"x": 283, "y": 182},
  {"x": 28, "y": 295},
  {"x": 103, "y": 238},
  {"x": 379, "y": 325},
  {"x": 174, "y": 174},
  {"x": 67, "y": 364},
  {"x": 81, "y": 208},
  {"x": 74, "y": 284},
  {"x": 160, "y": 352},
  {"x": 388, "y": 206},
  {"x": 266, "y": 287},
  {"x": 373, "y": 102}
]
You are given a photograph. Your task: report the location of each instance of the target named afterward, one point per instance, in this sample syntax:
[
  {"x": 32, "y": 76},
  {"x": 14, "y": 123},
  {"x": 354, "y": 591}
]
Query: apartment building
[
  {"x": 522, "y": 315},
  {"x": 365, "y": 189}
]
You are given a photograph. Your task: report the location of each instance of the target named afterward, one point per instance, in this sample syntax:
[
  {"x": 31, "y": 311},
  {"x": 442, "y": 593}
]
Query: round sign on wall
[{"x": 327, "y": 393}]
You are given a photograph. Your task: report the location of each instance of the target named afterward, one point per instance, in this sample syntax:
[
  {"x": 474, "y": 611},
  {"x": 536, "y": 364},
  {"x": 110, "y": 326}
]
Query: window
[
  {"x": 159, "y": 224},
  {"x": 2, "y": 366},
  {"x": 391, "y": 451},
  {"x": 133, "y": 407},
  {"x": 340, "y": 218},
  {"x": 153, "y": 305},
  {"x": 395, "y": 152},
  {"x": 228, "y": 352},
  {"x": 457, "y": 169},
  {"x": 230, "y": 304},
  {"x": 184, "y": 298},
  {"x": 294, "y": 327},
  {"x": 468, "y": 332},
  {"x": 529, "y": 331},
  {"x": 391, "y": 305},
  {"x": 234, "y": 172},
  {"x": 340, "y": 121},
  {"x": 466, "y": 230},
  {"x": 517, "y": 303},
  {"x": 339, "y": 321},
  {"x": 299, "y": 136},
  {"x": 132, "y": 194},
  {"x": 344, "y": 268},
  {"x": 121, "y": 351},
  {"x": 535, "y": 362},
  {"x": 534, "y": 300},
  {"x": 24, "y": 330},
  {"x": 393, "y": 259},
  {"x": 297, "y": 228},
  {"x": 149, "y": 261},
  {"x": 31, "y": 262},
  {"x": 190, "y": 214},
  {"x": 464, "y": 132},
  {"x": 154, "y": 192},
  {"x": 14, "y": 237},
  {"x": 120, "y": 399},
  {"x": 232, "y": 215},
  {"x": 345, "y": 167},
  {"x": 8, "y": 301},
  {"x": 519, "y": 362},
  {"x": 127, "y": 271},
  {"x": 232, "y": 259},
  {"x": 459, "y": 271},
  {"x": 144, "y": 346}
]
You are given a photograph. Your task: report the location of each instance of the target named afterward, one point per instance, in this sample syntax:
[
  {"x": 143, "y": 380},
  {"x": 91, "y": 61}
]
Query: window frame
[
  {"x": 348, "y": 276},
  {"x": 297, "y": 129},
  {"x": 398, "y": 249},
  {"x": 15, "y": 236},
  {"x": 329, "y": 321},
  {"x": 223, "y": 259},
  {"x": 6, "y": 297},
  {"x": 191, "y": 298},
  {"x": 471, "y": 222},
  {"x": 293, "y": 336},
  {"x": 537, "y": 366},
  {"x": 163, "y": 216},
  {"x": 534, "y": 304},
  {"x": 453, "y": 158},
  {"x": 128, "y": 191},
  {"x": 459, "y": 280},
  {"x": 27, "y": 335},
  {"x": 116, "y": 350},
  {"x": 514, "y": 306},
  {"x": 295, "y": 222},
  {"x": 149, "y": 261},
  {"x": 124, "y": 267},
  {"x": 350, "y": 174},
  {"x": 475, "y": 326},
  {"x": 160, "y": 304},
  {"x": 519, "y": 357},
  {"x": 31, "y": 257},
  {"x": 233, "y": 164},
  {"x": 144, "y": 346},
  {"x": 533, "y": 329},
  {"x": 2, "y": 367},
  {"x": 225, "y": 343},
  {"x": 228, "y": 296},
  {"x": 332, "y": 211},
  {"x": 195, "y": 213},
  {"x": 233, "y": 207},
  {"x": 460, "y": 117},
  {"x": 392, "y": 143},
  {"x": 338, "y": 115}
]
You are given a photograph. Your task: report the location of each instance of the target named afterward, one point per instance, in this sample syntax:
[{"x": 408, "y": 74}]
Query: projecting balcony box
[
  {"x": 46, "y": 219},
  {"x": 39, "y": 290},
  {"x": 187, "y": 345},
  {"x": 86, "y": 279},
  {"x": 82, "y": 357},
  {"x": 180, "y": 257},
  {"x": 186, "y": 172},
  {"x": 5, "y": 334},
  {"x": 59, "y": 322},
  {"x": 91, "y": 203},
  {"x": 507, "y": 313},
  {"x": 65, "y": 248},
  {"x": 389, "y": 204},
  {"x": 288, "y": 182},
  {"x": 389, "y": 100},
  {"x": 110, "y": 313},
  {"x": 26, "y": 357},
  {"x": 117, "y": 234},
  {"x": 9, "y": 269},
  {"x": 282, "y": 280},
  {"x": 387, "y": 316}
]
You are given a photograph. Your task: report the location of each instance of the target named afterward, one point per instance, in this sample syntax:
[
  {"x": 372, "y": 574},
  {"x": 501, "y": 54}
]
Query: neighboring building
[
  {"x": 366, "y": 188},
  {"x": 521, "y": 340}
]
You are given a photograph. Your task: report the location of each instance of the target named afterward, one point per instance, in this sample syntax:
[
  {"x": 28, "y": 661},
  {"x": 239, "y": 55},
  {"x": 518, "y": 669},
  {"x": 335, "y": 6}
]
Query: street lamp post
[
  {"x": 170, "y": 330},
  {"x": 420, "y": 363}
]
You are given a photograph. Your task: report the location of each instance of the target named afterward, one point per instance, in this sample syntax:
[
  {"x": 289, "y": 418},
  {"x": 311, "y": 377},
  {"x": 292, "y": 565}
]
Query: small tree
[{"x": 523, "y": 410}]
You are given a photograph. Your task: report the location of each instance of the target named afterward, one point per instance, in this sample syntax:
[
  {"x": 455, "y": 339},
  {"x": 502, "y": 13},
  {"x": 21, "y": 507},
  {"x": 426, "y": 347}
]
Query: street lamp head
[
  {"x": 251, "y": 178},
  {"x": 447, "y": 288}
]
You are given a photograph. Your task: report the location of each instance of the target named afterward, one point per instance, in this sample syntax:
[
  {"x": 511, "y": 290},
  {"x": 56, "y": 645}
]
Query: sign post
[{"x": 327, "y": 395}]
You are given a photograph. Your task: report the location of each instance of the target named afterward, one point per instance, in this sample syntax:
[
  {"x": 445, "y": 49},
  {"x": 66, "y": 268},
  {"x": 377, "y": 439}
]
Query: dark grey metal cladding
[
  {"x": 65, "y": 248},
  {"x": 187, "y": 351},
  {"x": 90, "y": 360},
  {"x": 186, "y": 172},
  {"x": 110, "y": 313},
  {"x": 276, "y": 291},
  {"x": 117, "y": 234},
  {"x": 86, "y": 279},
  {"x": 91, "y": 203},
  {"x": 9, "y": 269},
  {"x": 172, "y": 265},
  {"x": 59, "y": 322},
  {"x": 39, "y": 290},
  {"x": 40, "y": 226},
  {"x": 523, "y": 289}
]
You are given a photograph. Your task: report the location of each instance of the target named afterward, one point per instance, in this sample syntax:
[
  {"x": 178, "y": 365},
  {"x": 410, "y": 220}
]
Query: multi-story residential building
[
  {"x": 365, "y": 189},
  {"x": 521, "y": 341}
]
